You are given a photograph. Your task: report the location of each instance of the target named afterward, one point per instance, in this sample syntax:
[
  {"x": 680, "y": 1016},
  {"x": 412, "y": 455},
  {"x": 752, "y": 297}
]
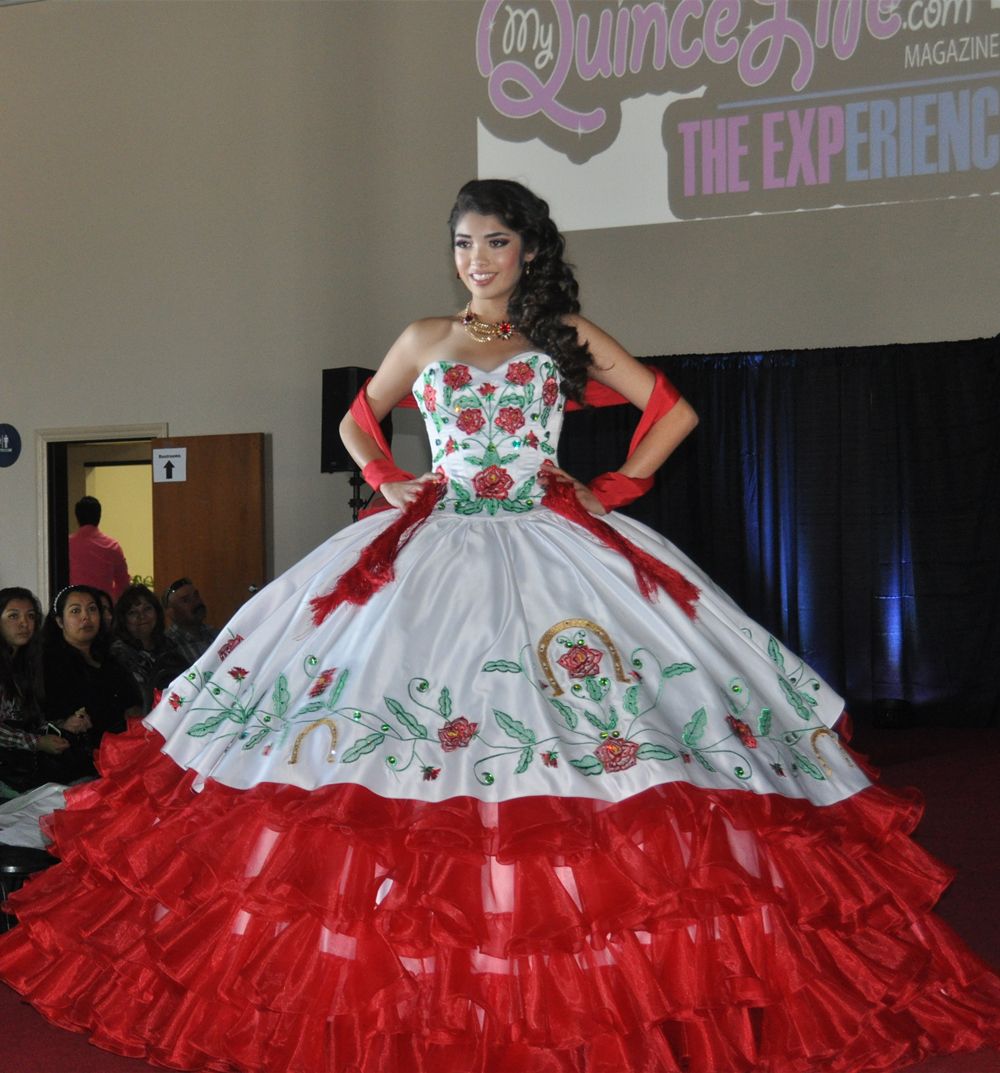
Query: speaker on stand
[{"x": 340, "y": 386}]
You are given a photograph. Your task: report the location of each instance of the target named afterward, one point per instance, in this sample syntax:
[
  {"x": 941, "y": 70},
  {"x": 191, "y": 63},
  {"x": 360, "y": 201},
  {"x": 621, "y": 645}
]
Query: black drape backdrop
[{"x": 848, "y": 500}]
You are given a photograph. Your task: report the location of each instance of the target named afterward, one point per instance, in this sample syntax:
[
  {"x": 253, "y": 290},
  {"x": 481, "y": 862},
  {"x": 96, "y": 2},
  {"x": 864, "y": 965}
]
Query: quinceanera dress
[{"x": 507, "y": 816}]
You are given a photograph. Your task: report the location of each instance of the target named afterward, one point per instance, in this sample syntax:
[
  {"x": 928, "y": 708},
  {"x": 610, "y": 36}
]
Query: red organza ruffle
[{"x": 278, "y": 931}]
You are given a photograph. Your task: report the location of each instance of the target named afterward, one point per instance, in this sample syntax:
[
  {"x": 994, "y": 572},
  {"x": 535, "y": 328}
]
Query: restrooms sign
[{"x": 646, "y": 113}]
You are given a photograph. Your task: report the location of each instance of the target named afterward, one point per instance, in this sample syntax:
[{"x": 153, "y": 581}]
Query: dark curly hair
[{"x": 546, "y": 293}]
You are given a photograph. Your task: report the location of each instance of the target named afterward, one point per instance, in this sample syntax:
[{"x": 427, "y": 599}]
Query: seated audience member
[
  {"x": 186, "y": 611},
  {"x": 23, "y": 734},
  {"x": 139, "y": 642},
  {"x": 95, "y": 559},
  {"x": 87, "y": 692}
]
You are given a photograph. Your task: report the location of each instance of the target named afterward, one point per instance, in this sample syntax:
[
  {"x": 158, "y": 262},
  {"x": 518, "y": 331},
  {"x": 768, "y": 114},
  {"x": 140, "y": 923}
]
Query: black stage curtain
[{"x": 847, "y": 500}]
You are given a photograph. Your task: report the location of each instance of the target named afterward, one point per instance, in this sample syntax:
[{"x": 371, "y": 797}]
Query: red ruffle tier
[{"x": 680, "y": 931}]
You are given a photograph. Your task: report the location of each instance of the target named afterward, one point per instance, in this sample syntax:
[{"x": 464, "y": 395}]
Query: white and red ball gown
[{"x": 507, "y": 816}]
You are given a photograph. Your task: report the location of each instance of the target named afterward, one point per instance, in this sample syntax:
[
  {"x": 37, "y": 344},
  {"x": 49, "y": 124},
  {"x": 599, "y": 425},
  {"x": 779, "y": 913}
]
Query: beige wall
[{"x": 204, "y": 204}]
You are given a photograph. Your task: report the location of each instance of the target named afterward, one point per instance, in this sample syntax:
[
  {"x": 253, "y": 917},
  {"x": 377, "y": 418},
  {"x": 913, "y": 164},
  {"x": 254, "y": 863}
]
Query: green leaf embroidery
[
  {"x": 515, "y": 506},
  {"x": 589, "y": 765},
  {"x": 631, "y": 702},
  {"x": 549, "y": 450},
  {"x": 808, "y": 766},
  {"x": 774, "y": 651},
  {"x": 594, "y": 688},
  {"x": 677, "y": 668},
  {"x": 281, "y": 696},
  {"x": 764, "y": 723},
  {"x": 213, "y": 722},
  {"x": 461, "y": 492},
  {"x": 361, "y": 748},
  {"x": 505, "y": 666},
  {"x": 514, "y": 728},
  {"x": 566, "y": 712},
  {"x": 444, "y": 703},
  {"x": 474, "y": 507},
  {"x": 694, "y": 730},
  {"x": 409, "y": 721},
  {"x": 337, "y": 690},
  {"x": 704, "y": 763},
  {"x": 250, "y": 743},
  {"x": 595, "y": 720},
  {"x": 527, "y": 755},
  {"x": 525, "y": 489},
  {"x": 649, "y": 751},
  {"x": 312, "y": 706},
  {"x": 794, "y": 699}
]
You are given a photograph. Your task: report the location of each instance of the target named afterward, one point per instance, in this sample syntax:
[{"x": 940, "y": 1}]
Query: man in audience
[
  {"x": 186, "y": 613},
  {"x": 94, "y": 558}
]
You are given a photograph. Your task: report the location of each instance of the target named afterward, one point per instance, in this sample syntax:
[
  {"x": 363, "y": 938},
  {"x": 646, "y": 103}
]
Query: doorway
[{"x": 112, "y": 463}]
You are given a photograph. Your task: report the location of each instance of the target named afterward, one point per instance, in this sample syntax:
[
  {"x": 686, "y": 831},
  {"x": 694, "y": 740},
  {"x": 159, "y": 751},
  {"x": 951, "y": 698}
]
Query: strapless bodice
[{"x": 490, "y": 432}]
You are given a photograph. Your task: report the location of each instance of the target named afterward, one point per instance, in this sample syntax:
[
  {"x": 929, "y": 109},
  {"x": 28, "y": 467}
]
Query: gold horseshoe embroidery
[
  {"x": 826, "y": 732},
  {"x": 569, "y": 623},
  {"x": 294, "y": 758}
]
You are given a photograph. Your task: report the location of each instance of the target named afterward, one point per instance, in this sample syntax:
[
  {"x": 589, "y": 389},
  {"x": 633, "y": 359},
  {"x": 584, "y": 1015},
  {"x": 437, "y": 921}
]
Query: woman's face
[
  {"x": 140, "y": 620},
  {"x": 489, "y": 256},
  {"x": 18, "y": 623},
  {"x": 80, "y": 620}
]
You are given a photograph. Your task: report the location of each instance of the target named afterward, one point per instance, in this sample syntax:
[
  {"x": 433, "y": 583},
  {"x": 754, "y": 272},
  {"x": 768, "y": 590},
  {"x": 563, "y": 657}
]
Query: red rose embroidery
[
  {"x": 470, "y": 421},
  {"x": 510, "y": 419},
  {"x": 743, "y": 731},
  {"x": 430, "y": 773},
  {"x": 520, "y": 372},
  {"x": 550, "y": 391},
  {"x": 456, "y": 734},
  {"x": 493, "y": 483},
  {"x": 322, "y": 681},
  {"x": 430, "y": 398},
  {"x": 487, "y": 390},
  {"x": 531, "y": 440},
  {"x": 239, "y": 673},
  {"x": 175, "y": 701},
  {"x": 450, "y": 447},
  {"x": 550, "y": 759},
  {"x": 617, "y": 754},
  {"x": 228, "y": 647},
  {"x": 457, "y": 376},
  {"x": 581, "y": 662}
]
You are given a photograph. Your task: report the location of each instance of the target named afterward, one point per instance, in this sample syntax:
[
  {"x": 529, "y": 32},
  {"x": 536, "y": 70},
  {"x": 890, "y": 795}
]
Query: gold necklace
[{"x": 484, "y": 331}]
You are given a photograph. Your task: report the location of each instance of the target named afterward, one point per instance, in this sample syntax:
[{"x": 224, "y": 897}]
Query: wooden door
[{"x": 210, "y": 526}]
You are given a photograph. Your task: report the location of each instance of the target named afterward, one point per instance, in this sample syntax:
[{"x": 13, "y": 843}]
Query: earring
[{"x": 527, "y": 268}]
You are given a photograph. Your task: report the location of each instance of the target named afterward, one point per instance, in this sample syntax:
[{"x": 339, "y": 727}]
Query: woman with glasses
[{"x": 139, "y": 640}]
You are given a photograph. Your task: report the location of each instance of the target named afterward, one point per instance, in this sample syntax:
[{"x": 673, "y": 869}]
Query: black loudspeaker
[{"x": 339, "y": 389}]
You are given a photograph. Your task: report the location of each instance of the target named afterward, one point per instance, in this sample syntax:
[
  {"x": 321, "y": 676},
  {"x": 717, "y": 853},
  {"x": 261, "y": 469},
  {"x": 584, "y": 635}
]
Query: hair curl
[{"x": 548, "y": 291}]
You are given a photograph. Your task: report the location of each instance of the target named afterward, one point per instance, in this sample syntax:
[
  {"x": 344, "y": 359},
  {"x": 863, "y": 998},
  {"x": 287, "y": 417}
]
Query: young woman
[
  {"x": 496, "y": 780},
  {"x": 23, "y": 731},
  {"x": 87, "y": 692},
  {"x": 139, "y": 642}
]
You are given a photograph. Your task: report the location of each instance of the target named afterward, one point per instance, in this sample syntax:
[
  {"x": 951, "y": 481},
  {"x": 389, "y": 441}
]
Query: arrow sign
[{"x": 169, "y": 465}]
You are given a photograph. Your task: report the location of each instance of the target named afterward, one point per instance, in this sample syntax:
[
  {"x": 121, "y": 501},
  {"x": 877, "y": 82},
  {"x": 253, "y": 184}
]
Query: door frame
[{"x": 93, "y": 433}]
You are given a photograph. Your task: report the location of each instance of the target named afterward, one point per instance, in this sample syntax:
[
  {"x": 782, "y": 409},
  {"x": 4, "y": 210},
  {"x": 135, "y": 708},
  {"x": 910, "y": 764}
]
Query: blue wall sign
[{"x": 10, "y": 445}]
